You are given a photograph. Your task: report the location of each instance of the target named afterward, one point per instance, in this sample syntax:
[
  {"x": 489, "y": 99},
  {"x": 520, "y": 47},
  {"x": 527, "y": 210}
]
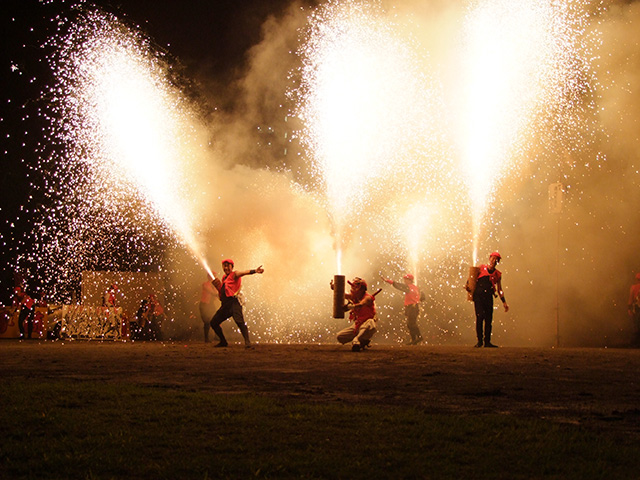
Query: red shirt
[
  {"x": 231, "y": 285},
  {"x": 411, "y": 292},
  {"x": 21, "y": 298},
  {"x": 361, "y": 314},
  {"x": 494, "y": 276},
  {"x": 28, "y": 302},
  {"x": 155, "y": 307},
  {"x": 412, "y": 297}
]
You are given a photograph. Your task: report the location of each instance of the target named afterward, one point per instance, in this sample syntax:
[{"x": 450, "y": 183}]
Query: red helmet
[
  {"x": 409, "y": 276},
  {"x": 496, "y": 254},
  {"x": 229, "y": 261}
]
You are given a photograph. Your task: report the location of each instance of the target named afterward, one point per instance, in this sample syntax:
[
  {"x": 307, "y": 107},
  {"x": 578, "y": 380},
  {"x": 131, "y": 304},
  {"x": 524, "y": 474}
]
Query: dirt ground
[{"x": 596, "y": 388}]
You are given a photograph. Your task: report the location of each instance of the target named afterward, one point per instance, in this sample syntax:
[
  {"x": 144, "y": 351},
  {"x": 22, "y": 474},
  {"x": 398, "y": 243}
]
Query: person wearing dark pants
[
  {"x": 25, "y": 304},
  {"x": 489, "y": 284},
  {"x": 229, "y": 291},
  {"x": 412, "y": 298}
]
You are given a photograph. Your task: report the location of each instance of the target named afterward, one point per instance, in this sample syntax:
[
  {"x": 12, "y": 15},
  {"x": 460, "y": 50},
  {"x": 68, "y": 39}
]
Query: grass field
[{"x": 68, "y": 429}]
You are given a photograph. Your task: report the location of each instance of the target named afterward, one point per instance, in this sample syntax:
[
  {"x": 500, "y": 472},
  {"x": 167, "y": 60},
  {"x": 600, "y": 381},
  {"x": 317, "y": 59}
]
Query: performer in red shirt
[
  {"x": 228, "y": 290},
  {"x": 25, "y": 304},
  {"x": 489, "y": 284},
  {"x": 411, "y": 305},
  {"x": 362, "y": 312}
]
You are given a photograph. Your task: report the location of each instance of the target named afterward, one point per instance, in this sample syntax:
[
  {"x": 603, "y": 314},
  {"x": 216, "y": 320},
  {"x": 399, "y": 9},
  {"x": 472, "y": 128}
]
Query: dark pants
[
  {"x": 26, "y": 314},
  {"x": 135, "y": 332},
  {"x": 155, "y": 327},
  {"x": 206, "y": 313},
  {"x": 412, "y": 312},
  {"x": 230, "y": 308},
  {"x": 483, "y": 304}
]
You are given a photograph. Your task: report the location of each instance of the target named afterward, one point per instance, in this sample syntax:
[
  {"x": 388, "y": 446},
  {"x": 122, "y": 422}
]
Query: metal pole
[
  {"x": 556, "y": 191},
  {"x": 557, "y": 281}
]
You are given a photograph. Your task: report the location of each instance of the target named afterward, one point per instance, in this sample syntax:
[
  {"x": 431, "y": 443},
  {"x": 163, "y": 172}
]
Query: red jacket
[
  {"x": 231, "y": 285},
  {"x": 494, "y": 276},
  {"x": 361, "y": 314}
]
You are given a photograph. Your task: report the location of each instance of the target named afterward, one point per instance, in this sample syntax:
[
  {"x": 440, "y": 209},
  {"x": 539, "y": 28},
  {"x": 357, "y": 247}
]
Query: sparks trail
[
  {"x": 519, "y": 65},
  {"x": 363, "y": 99},
  {"x": 126, "y": 146}
]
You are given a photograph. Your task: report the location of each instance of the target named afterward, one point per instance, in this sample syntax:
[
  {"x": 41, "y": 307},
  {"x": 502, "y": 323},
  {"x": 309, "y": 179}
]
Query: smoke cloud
[
  {"x": 258, "y": 198},
  {"x": 564, "y": 273}
]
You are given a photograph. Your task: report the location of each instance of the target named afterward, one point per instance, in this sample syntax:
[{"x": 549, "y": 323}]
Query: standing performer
[
  {"x": 156, "y": 317},
  {"x": 362, "y": 312},
  {"x": 489, "y": 284},
  {"x": 206, "y": 306},
  {"x": 634, "y": 308},
  {"x": 24, "y": 303},
  {"x": 411, "y": 305},
  {"x": 228, "y": 290}
]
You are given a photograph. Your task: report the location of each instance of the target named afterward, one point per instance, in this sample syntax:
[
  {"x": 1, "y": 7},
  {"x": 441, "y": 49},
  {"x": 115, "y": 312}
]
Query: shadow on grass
[{"x": 94, "y": 430}]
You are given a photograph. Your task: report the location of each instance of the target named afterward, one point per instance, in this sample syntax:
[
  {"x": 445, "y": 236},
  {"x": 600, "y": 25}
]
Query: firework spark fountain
[
  {"x": 363, "y": 101},
  {"x": 119, "y": 116},
  {"x": 518, "y": 64}
]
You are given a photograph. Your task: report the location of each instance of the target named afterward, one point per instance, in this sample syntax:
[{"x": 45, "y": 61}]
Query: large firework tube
[
  {"x": 472, "y": 281},
  {"x": 338, "y": 296}
]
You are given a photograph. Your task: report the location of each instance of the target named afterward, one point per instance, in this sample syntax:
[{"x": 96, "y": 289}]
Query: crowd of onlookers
[{"x": 37, "y": 319}]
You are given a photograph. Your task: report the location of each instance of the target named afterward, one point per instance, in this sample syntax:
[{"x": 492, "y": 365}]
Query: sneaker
[
  {"x": 221, "y": 345},
  {"x": 490, "y": 345},
  {"x": 355, "y": 347},
  {"x": 365, "y": 344},
  {"x": 417, "y": 341},
  {"x": 478, "y": 345}
]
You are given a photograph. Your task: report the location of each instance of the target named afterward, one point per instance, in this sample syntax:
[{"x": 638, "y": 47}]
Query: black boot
[
  {"x": 245, "y": 334},
  {"x": 218, "y": 330},
  {"x": 487, "y": 337}
]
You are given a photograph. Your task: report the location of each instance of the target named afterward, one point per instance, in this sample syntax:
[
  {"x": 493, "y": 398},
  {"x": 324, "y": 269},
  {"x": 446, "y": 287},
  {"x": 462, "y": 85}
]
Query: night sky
[{"x": 207, "y": 38}]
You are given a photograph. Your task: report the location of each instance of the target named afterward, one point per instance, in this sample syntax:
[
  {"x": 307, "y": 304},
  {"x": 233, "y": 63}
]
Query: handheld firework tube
[
  {"x": 472, "y": 281},
  {"x": 338, "y": 296}
]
